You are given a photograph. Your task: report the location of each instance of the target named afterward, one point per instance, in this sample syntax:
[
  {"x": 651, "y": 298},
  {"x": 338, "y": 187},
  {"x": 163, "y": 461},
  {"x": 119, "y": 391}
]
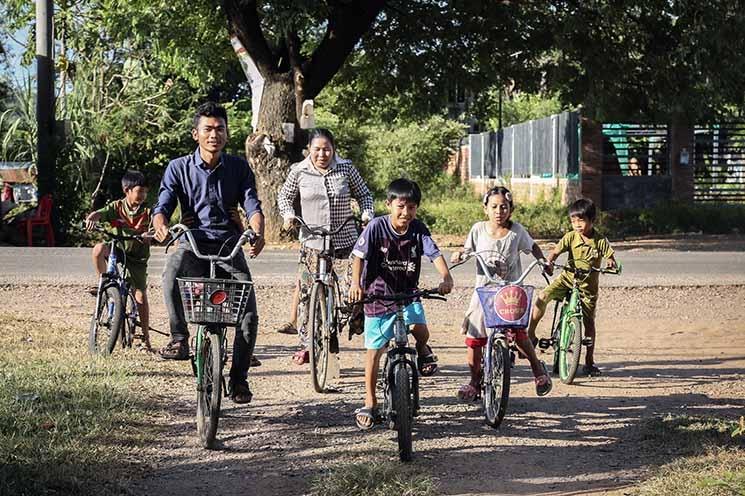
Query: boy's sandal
[
  {"x": 287, "y": 328},
  {"x": 427, "y": 363},
  {"x": 467, "y": 393},
  {"x": 543, "y": 383},
  {"x": 369, "y": 413},
  {"x": 301, "y": 357}
]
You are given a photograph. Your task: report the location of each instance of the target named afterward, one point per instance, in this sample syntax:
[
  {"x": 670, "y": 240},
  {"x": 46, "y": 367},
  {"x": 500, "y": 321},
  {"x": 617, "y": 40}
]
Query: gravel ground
[{"x": 662, "y": 350}]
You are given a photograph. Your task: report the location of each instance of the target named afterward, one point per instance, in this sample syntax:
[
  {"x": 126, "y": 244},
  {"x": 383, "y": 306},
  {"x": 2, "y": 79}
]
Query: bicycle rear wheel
[
  {"x": 320, "y": 335},
  {"x": 496, "y": 385},
  {"x": 130, "y": 320},
  {"x": 404, "y": 408},
  {"x": 210, "y": 392},
  {"x": 570, "y": 349},
  {"x": 106, "y": 323}
]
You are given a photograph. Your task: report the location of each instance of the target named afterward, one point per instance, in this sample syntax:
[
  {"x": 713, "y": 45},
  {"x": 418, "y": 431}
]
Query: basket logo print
[{"x": 511, "y": 303}]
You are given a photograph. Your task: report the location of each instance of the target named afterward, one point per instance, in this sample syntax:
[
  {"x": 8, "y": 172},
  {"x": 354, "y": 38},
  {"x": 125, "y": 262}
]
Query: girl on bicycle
[
  {"x": 325, "y": 184},
  {"x": 500, "y": 240}
]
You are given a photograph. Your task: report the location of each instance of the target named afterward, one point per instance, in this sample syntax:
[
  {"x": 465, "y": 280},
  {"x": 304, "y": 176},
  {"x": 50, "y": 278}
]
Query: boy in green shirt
[
  {"x": 128, "y": 216},
  {"x": 586, "y": 249}
]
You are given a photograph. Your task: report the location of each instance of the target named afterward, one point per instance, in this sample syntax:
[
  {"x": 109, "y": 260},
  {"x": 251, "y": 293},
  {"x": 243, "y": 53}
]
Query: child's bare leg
[
  {"x": 100, "y": 256},
  {"x": 539, "y": 309},
  {"x": 590, "y": 333},
  {"x": 473, "y": 358},
  {"x": 421, "y": 335},
  {"x": 527, "y": 349},
  {"x": 143, "y": 309},
  {"x": 372, "y": 361}
]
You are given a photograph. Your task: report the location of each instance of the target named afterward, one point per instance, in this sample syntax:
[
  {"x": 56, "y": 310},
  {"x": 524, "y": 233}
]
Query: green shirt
[
  {"x": 585, "y": 252},
  {"x": 127, "y": 221}
]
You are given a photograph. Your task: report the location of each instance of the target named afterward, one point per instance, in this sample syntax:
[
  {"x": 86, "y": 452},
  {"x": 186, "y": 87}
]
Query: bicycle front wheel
[
  {"x": 209, "y": 393},
  {"x": 496, "y": 386},
  {"x": 570, "y": 349},
  {"x": 404, "y": 408},
  {"x": 320, "y": 335},
  {"x": 130, "y": 321},
  {"x": 106, "y": 323}
]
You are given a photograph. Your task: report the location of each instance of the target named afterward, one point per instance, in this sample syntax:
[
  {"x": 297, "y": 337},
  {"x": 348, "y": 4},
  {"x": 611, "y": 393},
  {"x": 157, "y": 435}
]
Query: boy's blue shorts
[{"x": 379, "y": 330}]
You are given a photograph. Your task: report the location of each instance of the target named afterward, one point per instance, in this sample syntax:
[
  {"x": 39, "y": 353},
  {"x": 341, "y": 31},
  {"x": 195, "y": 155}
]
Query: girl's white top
[{"x": 503, "y": 257}]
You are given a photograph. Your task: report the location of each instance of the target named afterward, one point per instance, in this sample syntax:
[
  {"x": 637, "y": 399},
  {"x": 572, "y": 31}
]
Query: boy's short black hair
[
  {"x": 583, "y": 208},
  {"x": 132, "y": 179},
  {"x": 209, "y": 109},
  {"x": 404, "y": 189}
]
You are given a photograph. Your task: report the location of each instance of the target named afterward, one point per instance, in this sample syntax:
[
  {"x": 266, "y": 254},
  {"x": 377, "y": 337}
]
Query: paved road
[{"x": 275, "y": 266}]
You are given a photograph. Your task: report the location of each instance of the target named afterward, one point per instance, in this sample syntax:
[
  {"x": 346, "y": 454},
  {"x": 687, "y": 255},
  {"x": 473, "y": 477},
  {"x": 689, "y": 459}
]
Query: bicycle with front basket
[
  {"x": 212, "y": 305},
  {"x": 115, "y": 315},
  {"x": 326, "y": 315},
  {"x": 507, "y": 306},
  {"x": 567, "y": 334},
  {"x": 400, "y": 372}
]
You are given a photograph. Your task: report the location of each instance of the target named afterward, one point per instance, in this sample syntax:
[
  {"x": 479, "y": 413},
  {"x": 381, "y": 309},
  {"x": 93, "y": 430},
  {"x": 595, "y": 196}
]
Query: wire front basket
[{"x": 214, "y": 301}]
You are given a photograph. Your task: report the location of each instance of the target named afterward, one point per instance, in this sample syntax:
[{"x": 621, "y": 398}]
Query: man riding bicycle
[{"x": 209, "y": 185}]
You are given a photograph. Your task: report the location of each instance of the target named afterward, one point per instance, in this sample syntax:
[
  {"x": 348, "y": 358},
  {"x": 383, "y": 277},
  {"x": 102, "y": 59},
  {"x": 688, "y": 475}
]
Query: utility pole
[{"x": 45, "y": 118}]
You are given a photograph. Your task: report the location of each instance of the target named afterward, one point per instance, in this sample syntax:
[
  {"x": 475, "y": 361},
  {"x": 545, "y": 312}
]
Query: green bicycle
[
  {"x": 567, "y": 334},
  {"x": 213, "y": 305}
]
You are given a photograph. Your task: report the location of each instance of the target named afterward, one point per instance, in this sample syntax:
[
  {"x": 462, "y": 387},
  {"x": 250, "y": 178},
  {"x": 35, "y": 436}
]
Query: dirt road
[{"x": 662, "y": 350}]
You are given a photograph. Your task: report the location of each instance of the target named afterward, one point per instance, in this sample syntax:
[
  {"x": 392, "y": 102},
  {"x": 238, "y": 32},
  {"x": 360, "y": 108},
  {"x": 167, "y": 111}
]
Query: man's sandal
[
  {"x": 370, "y": 414},
  {"x": 427, "y": 363},
  {"x": 543, "y": 383}
]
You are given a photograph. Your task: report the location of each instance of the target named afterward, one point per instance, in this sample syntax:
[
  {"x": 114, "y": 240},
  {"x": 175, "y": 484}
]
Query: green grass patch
[
  {"x": 374, "y": 479},
  {"x": 711, "y": 457},
  {"x": 68, "y": 424}
]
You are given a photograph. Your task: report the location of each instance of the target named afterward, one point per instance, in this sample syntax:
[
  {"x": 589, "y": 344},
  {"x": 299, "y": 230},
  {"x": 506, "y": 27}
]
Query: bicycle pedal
[{"x": 545, "y": 344}]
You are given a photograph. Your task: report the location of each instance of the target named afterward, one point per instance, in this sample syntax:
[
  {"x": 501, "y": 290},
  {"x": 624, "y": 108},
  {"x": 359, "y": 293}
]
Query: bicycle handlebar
[
  {"x": 431, "y": 294},
  {"x": 576, "y": 270},
  {"x": 321, "y": 230},
  {"x": 178, "y": 230},
  {"x": 119, "y": 237},
  {"x": 494, "y": 279}
]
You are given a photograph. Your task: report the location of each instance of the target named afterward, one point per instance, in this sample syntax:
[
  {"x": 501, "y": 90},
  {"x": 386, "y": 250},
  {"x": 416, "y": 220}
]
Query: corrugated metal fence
[{"x": 547, "y": 147}]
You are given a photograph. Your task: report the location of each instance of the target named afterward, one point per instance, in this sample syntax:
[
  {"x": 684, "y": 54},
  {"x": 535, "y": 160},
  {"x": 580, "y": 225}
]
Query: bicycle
[
  {"x": 115, "y": 314},
  {"x": 401, "y": 372},
  {"x": 566, "y": 334},
  {"x": 212, "y": 305},
  {"x": 325, "y": 315},
  {"x": 507, "y": 307}
]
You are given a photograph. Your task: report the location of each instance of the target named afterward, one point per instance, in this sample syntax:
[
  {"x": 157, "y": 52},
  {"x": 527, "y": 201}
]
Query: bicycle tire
[
  {"x": 210, "y": 394},
  {"x": 106, "y": 322},
  {"x": 130, "y": 321},
  {"x": 496, "y": 387},
  {"x": 570, "y": 349},
  {"x": 319, "y": 336},
  {"x": 404, "y": 409}
]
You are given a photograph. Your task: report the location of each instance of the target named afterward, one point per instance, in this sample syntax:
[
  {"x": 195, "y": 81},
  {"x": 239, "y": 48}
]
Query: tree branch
[
  {"x": 296, "y": 62},
  {"x": 347, "y": 23},
  {"x": 243, "y": 22}
]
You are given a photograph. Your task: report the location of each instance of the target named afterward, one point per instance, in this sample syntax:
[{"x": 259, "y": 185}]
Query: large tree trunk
[{"x": 278, "y": 106}]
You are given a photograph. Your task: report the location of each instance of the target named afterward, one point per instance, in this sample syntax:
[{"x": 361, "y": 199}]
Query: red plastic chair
[{"x": 43, "y": 218}]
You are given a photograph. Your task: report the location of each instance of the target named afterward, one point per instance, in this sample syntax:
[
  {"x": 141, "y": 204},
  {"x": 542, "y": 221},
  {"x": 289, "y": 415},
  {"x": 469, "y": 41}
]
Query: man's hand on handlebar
[
  {"x": 548, "y": 267},
  {"x": 255, "y": 248}
]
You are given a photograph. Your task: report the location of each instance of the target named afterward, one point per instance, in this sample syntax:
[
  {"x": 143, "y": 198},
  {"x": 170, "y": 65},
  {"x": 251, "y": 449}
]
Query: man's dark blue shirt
[{"x": 208, "y": 195}]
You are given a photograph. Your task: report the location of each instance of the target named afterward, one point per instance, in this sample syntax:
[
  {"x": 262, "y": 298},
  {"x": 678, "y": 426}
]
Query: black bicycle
[
  {"x": 401, "y": 372},
  {"x": 326, "y": 315},
  {"x": 115, "y": 315},
  {"x": 213, "y": 305}
]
